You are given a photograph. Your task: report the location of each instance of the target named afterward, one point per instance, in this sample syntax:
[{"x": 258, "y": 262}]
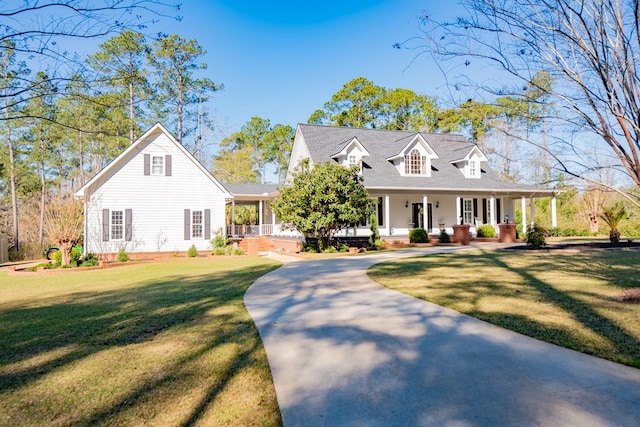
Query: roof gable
[
  {"x": 474, "y": 154},
  {"x": 354, "y": 144},
  {"x": 416, "y": 141},
  {"x": 135, "y": 147}
]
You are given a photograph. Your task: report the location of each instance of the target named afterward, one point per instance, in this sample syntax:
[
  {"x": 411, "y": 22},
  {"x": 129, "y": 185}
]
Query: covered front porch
[{"x": 398, "y": 212}]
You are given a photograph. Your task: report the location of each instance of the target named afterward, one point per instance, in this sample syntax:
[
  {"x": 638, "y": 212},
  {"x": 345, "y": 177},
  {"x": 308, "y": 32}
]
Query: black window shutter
[
  {"x": 380, "y": 211},
  {"x": 475, "y": 209},
  {"x": 128, "y": 227},
  {"x": 207, "y": 224},
  {"x": 167, "y": 165},
  {"x": 187, "y": 224},
  {"x": 105, "y": 225},
  {"x": 498, "y": 213},
  {"x": 484, "y": 211},
  {"x": 147, "y": 164}
]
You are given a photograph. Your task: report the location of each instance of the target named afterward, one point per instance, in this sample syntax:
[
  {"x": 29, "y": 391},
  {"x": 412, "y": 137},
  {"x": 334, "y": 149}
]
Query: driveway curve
[{"x": 345, "y": 351}]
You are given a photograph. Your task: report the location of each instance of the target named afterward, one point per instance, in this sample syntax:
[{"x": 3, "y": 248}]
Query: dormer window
[
  {"x": 415, "y": 163},
  {"x": 473, "y": 168},
  {"x": 351, "y": 154},
  {"x": 470, "y": 165}
]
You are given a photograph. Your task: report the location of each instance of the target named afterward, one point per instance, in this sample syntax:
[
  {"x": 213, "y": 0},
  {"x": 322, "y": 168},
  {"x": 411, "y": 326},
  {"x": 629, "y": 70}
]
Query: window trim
[
  {"x": 157, "y": 169},
  {"x": 467, "y": 214},
  {"x": 117, "y": 225},
  {"x": 199, "y": 224},
  {"x": 415, "y": 163}
]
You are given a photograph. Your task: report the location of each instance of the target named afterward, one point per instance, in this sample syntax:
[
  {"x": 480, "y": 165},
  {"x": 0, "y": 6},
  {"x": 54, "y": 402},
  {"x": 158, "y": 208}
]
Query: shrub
[
  {"x": 122, "y": 256},
  {"x": 222, "y": 251},
  {"x": 444, "y": 237},
  {"x": 237, "y": 251},
  {"x": 374, "y": 238},
  {"x": 418, "y": 235},
  {"x": 343, "y": 248},
  {"x": 486, "y": 230},
  {"x": 219, "y": 239},
  {"x": 76, "y": 254},
  {"x": 330, "y": 250},
  {"x": 309, "y": 247},
  {"x": 57, "y": 259},
  {"x": 192, "y": 252},
  {"x": 536, "y": 237},
  {"x": 90, "y": 260}
]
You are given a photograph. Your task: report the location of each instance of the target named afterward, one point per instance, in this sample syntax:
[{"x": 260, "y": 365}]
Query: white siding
[
  {"x": 157, "y": 201},
  {"x": 299, "y": 152}
]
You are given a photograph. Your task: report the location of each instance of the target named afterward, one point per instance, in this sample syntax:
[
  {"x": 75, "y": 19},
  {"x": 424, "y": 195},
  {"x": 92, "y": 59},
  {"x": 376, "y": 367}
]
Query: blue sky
[{"x": 282, "y": 60}]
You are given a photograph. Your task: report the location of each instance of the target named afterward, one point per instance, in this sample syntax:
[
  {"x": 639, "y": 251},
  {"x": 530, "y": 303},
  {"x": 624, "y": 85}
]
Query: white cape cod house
[
  {"x": 426, "y": 180},
  {"x": 154, "y": 197}
]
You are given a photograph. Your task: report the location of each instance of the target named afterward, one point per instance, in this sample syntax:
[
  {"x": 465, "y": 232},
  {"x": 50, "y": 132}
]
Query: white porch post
[
  {"x": 492, "y": 209},
  {"x": 233, "y": 217},
  {"x": 458, "y": 213},
  {"x": 387, "y": 220},
  {"x": 523, "y": 209},
  {"x": 532, "y": 210},
  {"x": 273, "y": 222},
  {"x": 554, "y": 217},
  {"x": 260, "y": 217},
  {"x": 425, "y": 216}
]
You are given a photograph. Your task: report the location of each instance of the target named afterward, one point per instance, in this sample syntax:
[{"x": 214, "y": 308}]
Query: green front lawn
[
  {"x": 162, "y": 344},
  {"x": 564, "y": 297}
]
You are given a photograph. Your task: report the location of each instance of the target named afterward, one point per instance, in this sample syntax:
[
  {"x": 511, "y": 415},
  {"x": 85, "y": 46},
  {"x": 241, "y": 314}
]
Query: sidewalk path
[{"x": 345, "y": 351}]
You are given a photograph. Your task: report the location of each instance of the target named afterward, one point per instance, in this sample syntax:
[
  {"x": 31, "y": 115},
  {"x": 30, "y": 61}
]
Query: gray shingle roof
[
  {"x": 379, "y": 173},
  {"x": 251, "y": 189}
]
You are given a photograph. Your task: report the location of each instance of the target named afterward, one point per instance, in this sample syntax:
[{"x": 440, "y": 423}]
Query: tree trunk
[
  {"x": 43, "y": 195},
  {"x": 180, "y": 88},
  {"x": 132, "y": 114},
  {"x": 614, "y": 236},
  {"x": 12, "y": 171}
]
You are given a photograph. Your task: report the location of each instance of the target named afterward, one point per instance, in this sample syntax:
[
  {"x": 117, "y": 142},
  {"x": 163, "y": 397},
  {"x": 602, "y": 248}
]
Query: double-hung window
[
  {"x": 157, "y": 165},
  {"x": 197, "y": 225},
  {"x": 467, "y": 212},
  {"x": 117, "y": 225}
]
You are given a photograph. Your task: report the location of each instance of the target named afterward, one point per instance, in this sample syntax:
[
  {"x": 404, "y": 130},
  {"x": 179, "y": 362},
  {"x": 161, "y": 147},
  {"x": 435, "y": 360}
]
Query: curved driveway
[{"x": 345, "y": 351}]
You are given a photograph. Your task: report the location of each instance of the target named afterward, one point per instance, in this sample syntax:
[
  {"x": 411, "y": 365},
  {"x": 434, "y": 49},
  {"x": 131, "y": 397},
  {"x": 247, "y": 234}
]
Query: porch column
[
  {"x": 523, "y": 210},
  {"x": 273, "y": 222},
  {"x": 233, "y": 217},
  {"x": 492, "y": 211},
  {"x": 425, "y": 213},
  {"x": 386, "y": 219},
  {"x": 458, "y": 213},
  {"x": 554, "y": 217},
  {"x": 532, "y": 210},
  {"x": 260, "y": 217}
]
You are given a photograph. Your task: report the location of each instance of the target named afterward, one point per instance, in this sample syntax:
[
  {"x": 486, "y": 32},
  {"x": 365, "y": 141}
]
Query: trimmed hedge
[{"x": 418, "y": 235}]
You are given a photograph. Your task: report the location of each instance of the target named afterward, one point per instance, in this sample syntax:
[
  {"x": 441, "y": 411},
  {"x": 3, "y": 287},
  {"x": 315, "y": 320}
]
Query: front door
[{"x": 418, "y": 216}]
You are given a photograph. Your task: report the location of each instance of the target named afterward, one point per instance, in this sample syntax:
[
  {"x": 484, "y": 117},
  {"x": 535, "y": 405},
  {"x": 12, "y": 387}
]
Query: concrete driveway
[{"x": 345, "y": 351}]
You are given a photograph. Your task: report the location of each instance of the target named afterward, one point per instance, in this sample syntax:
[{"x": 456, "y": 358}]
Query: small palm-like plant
[{"x": 612, "y": 215}]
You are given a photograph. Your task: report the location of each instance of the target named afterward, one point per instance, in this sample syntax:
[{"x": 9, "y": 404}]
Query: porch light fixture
[
  {"x": 437, "y": 204},
  {"x": 406, "y": 204}
]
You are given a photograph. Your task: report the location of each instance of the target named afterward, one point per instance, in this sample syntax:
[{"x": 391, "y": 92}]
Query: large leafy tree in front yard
[{"x": 322, "y": 200}]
